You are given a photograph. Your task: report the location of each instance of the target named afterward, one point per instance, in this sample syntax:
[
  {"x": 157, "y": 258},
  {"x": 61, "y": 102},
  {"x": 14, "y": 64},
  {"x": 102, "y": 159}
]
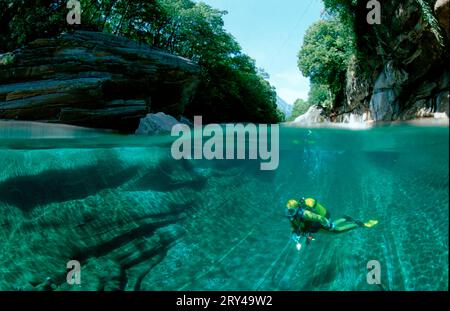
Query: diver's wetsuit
[
  {"x": 308, "y": 216},
  {"x": 311, "y": 217}
]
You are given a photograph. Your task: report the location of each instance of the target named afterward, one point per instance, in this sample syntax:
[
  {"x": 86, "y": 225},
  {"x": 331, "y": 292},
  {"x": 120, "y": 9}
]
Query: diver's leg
[
  {"x": 345, "y": 227},
  {"x": 343, "y": 224},
  {"x": 339, "y": 221},
  {"x": 347, "y": 223}
]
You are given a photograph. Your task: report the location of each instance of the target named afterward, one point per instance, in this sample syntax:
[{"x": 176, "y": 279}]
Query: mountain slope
[{"x": 284, "y": 106}]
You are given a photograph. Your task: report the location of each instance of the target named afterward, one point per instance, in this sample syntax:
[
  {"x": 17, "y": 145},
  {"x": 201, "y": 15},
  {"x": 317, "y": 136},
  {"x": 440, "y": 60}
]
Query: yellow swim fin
[{"x": 370, "y": 223}]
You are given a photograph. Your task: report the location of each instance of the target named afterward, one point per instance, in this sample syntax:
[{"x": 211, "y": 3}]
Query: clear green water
[{"x": 87, "y": 196}]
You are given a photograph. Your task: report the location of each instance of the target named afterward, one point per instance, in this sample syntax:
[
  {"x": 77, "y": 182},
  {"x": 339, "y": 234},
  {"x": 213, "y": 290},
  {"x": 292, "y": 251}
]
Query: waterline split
[{"x": 262, "y": 140}]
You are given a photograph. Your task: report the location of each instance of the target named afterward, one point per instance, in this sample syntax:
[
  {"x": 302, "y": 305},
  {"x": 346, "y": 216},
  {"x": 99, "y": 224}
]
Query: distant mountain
[{"x": 284, "y": 106}]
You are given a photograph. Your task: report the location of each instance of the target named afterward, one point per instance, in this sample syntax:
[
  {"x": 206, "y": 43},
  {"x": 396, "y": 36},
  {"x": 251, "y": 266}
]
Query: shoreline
[
  {"x": 38, "y": 128},
  {"x": 420, "y": 122}
]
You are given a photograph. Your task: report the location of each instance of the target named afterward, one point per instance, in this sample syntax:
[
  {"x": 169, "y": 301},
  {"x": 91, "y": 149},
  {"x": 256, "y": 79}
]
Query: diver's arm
[
  {"x": 310, "y": 216},
  {"x": 295, "y": 229}
]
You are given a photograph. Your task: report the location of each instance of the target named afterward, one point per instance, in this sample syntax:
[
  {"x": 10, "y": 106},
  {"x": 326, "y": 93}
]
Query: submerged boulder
[{"x": 94, "y": 80}]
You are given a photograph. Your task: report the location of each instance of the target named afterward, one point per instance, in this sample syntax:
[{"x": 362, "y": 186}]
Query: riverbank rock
[
  {"x": 384, "y": 102},
  {"x": 156, "y": 123},
  {"x": 311, "y": 117},
  {"x": 314, "y": 117},
  {"x": 94, "y": 80},
  {"x": 402, "y": 69},
  {"x": 442, "y": 11}
]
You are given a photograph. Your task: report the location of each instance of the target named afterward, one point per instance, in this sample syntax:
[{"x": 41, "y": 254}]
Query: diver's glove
[{"x": 295, "y": 237}]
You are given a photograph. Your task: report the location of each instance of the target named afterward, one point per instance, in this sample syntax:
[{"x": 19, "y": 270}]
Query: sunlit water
[{"x": 233, "y": 234}]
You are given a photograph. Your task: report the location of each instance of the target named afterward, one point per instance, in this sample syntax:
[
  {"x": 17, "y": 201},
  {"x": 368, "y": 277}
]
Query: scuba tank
[{"x": 315, "y": 207}]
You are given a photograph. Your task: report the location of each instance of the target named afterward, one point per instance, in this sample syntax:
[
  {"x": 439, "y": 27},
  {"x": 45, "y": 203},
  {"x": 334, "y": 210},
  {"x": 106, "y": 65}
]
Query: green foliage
[
  {"x": 281, "y": 115},
  {"x": 231, "y": 87},
  {"x": 6, "y": 59},
  {"x": 300, "y": 107},
  {"x": 320, "y": 95},
  {"x": 344, "y": 9},
  {"x": 226, "y": 93},
  {"x": 325, "y": 53},
  {"x": 22, "y": 21},
  {"x": 428, "y": 16}
]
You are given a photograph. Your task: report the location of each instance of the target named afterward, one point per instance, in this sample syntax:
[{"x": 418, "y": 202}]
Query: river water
[{"x": 79, "y": 194}]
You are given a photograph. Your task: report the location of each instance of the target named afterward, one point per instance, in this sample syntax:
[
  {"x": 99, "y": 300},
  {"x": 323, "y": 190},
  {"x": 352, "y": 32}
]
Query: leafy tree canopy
[
  {"x": 320, "y": 95},
  {"x": 325, "y": 54}
]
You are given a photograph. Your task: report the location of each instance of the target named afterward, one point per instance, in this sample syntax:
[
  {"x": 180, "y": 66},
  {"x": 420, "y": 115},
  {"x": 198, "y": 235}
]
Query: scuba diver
[{"x": 307, "y": 216}]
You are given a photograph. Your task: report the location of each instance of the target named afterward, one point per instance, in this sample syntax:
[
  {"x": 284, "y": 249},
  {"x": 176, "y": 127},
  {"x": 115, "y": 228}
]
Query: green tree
[
  {"x": 22, "y": 21},
  {"x": 300, "y": 107},
  {"x": 320, "y": 95},
  {"x": 344, "y": 9},
  {"x": 325, "y": 53}
]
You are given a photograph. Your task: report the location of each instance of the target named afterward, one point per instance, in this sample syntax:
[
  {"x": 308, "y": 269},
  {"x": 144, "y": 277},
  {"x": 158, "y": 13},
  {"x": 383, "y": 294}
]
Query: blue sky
[{"x": 271, "y": 32}]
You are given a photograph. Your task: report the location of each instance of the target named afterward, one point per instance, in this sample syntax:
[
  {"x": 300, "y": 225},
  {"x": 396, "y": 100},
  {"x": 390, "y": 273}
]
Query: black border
[{"x": 167, "y": 300}]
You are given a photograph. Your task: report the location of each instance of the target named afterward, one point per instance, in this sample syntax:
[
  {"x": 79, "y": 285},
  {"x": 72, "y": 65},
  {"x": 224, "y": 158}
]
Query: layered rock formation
[
  {"x": 116, "y": 212},
  {"x": 402, "y": 72},
  {"x": 93, "y": 79}
]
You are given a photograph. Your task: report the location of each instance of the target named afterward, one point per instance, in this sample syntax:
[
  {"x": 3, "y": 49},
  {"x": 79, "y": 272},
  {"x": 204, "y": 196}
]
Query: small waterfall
[
  {"x": 314, "y": 118},
  {"x": 355, "y": 120}
]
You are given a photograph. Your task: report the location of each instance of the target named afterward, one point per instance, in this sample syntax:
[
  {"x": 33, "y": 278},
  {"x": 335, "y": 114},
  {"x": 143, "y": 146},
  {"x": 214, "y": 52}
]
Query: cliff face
[
  {"x": 93, "y": 79},
  {"x": 401, "y": 72}
]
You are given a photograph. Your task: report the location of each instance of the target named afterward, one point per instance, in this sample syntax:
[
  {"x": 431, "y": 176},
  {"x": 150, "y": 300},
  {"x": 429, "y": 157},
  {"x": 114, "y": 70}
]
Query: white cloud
[{"x": 290, "y": 85}]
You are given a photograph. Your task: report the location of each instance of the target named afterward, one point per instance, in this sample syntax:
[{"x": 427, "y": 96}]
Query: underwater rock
[
  {"x": 28, "y": 191},
  {"x": 36, "y": 130},
  {"x": 94, "y": 80},
  {"x": 116, "y": 244},
  {"x": 167, "y": 176},
  {"x": 156, "y": 123},
  {"x": 47, "y": 285}
]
